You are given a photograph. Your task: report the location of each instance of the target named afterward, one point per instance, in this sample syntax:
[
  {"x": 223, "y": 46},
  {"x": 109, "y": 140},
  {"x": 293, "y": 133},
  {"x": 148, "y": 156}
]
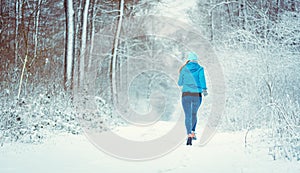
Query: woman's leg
[
  {"x": 187, "y": 107},
  {"x": 196, "y": 102}
]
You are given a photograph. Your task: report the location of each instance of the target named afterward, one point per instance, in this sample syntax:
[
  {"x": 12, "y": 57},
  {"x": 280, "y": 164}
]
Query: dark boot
[{"x": 189, "y": 141}]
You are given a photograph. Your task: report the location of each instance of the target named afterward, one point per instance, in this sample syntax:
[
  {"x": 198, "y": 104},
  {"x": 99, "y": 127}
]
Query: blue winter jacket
[{"x": 192, "y": 78}]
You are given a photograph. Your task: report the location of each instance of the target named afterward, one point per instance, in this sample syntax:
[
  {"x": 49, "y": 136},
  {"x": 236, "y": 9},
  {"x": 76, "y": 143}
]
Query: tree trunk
[
  {"x": 240, "y": 14},
  {"x": 228, "y": 10},
  {"x": 244, "y": 14},
  {"x": 37, "y": 19},
  {"x": 293, "y": 6},
  {"x": 17, "y": 13},
  {"x": 92, "y": 35},
  {"x": 69, "y": 50},
  {"x": 276, "y": 9},
  {"x": 211, "y": 25},
  {"x": 22, "y": 75},
  {"x": 115, "y": 48},
  {"x": 81, "y": 70},
  {"x": 77, "y": 40}
]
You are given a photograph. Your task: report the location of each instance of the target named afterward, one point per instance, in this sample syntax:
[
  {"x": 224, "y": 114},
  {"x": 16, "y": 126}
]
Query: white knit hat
[{"x": 192, "y": 56}]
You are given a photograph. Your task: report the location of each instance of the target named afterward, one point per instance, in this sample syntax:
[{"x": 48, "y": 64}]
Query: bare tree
[
  {"x": 37, "y": 20},
  {"x": 83, "y": 43},
  {"x": 92, "y": 34},
  {"x": 69, "y": 51},
  {"x": 115, "y": 49},
  {"x": 17, "y": 22}
]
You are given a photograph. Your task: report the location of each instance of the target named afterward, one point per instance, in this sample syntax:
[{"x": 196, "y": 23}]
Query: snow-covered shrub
[
  {"x": 96, "y": 114},
  {"x": 262, "y": 85},
  {"x": 284, "y": 125},
  {"x": 32, "y": 118}
]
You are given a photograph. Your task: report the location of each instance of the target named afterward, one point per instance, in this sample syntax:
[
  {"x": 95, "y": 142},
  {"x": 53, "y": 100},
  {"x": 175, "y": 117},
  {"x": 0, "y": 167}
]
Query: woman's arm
[
  {"x": 202, "y": 79},
  {"x": 180, "y": 80}
]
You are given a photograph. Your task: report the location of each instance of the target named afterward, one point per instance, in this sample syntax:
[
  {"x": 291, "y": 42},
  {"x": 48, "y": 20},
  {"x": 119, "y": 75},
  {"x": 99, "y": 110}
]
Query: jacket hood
[{"x": 193, "y": 66}]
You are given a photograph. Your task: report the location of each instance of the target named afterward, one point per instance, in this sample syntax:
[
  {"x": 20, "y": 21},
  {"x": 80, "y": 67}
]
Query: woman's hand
[{"x": 204, "y": 92}]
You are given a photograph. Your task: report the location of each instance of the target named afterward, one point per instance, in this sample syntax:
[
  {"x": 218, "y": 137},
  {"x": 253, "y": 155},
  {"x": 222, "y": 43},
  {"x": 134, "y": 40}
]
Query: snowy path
[{"x": 75, "y": 154}]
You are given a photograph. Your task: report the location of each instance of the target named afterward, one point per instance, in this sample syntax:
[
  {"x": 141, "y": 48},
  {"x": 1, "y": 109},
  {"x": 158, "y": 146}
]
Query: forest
[{"x": 56, "y": 56}]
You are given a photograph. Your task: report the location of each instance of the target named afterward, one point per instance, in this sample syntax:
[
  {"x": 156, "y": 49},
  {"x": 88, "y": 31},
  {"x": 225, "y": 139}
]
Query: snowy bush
[
  {"x": 98, "y": 116},
  {"x": 32, "y": 118},
  {"x": 279, "y": 129},
  {"x": 258, "y": 48}
]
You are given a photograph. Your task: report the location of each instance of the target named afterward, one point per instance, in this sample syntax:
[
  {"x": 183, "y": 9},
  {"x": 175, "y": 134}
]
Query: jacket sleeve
[
  {"x": 202, "y": 79},
  {"x": 180, "y": 80}
]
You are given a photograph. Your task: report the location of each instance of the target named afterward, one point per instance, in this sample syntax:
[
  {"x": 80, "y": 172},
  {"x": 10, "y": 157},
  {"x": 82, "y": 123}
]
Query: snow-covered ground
[{"x": 64, "y": 153}]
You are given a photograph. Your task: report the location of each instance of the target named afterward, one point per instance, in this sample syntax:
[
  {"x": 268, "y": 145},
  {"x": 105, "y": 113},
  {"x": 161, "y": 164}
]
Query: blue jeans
[{"x": 190, "y": 106}]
